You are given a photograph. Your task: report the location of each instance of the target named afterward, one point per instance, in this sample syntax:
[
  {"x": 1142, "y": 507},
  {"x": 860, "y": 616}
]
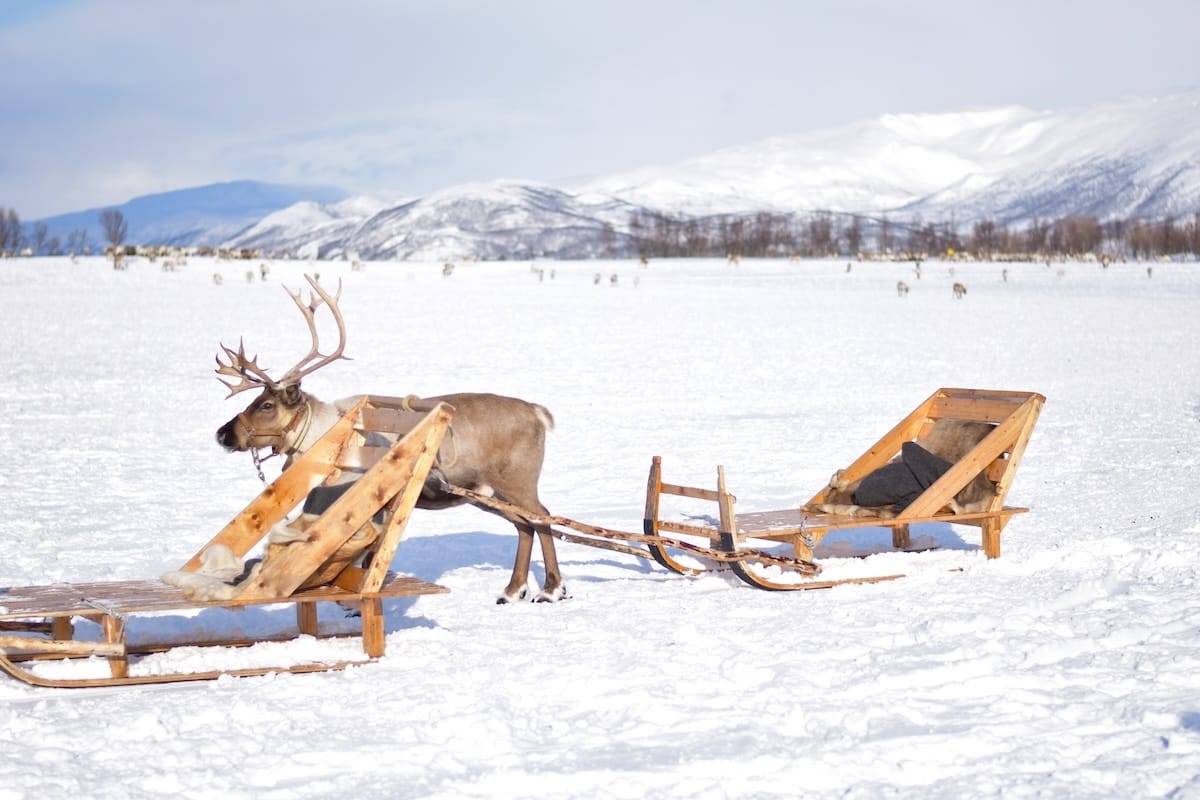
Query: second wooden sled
[
  {"x": 36, "y": 621},
  {"x": 1014, "y": 415}
]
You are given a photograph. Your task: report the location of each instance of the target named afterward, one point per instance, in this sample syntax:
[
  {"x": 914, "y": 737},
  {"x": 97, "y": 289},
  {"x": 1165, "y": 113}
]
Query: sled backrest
[{"x": 1012, "y": 413}]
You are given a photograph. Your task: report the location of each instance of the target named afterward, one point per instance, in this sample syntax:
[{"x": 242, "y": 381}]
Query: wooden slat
[
  {"x": 360, "y": 459},
  {"x": 414, "y": 455},
  {"x": 6, "y": 665},
  {"x": 820, "y": 524},
  {"x": 285, "y": 493},
  {"x": 653, "y": 490},
  {"x": 66, "y": 647},
  {"x": 975, "y": 409},
  {"x": 885, "y": 449},
  {"x": 132, "y": 597},
  {"x": 694, "y": 492},
  {"x": 402, "y": 470},
  {"x": 421, "y": 405},
  {"x": 668, "y": 526},
  {"x": 1031, "y": 411},
  {"x": 389, "y": 420},
  {"x": 943, "y": 490},
  {"x": 373, "y": 637}
]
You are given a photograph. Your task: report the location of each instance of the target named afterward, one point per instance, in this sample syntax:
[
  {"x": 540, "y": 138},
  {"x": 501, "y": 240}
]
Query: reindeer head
[{"x": 279, "y": 414}]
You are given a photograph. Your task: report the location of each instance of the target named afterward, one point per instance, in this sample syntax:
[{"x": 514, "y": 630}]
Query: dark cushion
[
  {"x": 321, "y": 498},
  {"x": 901, "y": 482}
]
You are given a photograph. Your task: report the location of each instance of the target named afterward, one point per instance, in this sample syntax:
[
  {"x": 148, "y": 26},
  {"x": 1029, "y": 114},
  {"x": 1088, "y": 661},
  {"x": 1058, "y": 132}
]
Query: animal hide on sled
[
  {"x": 222, "y": 575},
  {"x": 885, "y": 492}
]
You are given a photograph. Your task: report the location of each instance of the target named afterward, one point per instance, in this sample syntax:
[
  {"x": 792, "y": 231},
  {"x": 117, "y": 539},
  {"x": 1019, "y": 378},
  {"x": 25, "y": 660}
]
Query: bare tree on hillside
[
  {"x": 854, "y": 236},
  {"x": 10, "y": 231},
  {"x": 41, "y": 233},
  {"x": 983, "y": 238},
  {"x": 77, "y": 242},
  {"x": 885, "y": 235},
  {"x": 115, "y": 226}
]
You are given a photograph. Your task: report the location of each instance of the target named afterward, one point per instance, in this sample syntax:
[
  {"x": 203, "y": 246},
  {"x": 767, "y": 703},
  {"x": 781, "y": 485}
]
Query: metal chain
[{"x": 258, "y": 462}]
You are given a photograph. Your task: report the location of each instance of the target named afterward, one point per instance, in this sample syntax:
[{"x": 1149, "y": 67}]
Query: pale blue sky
[{"x": 104, "y": 101}]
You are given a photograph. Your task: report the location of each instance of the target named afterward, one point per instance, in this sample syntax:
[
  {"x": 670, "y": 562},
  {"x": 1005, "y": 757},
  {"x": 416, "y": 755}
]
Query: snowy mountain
[
  {"x": 1136, "y": 159},
  {"x": 309, "y": 228},
  {"x": 203, "y": 215}
]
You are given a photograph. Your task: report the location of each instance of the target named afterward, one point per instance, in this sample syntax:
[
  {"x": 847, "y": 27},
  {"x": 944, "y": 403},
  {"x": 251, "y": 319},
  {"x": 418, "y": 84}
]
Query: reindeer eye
[{"x": 267, "y": 406}]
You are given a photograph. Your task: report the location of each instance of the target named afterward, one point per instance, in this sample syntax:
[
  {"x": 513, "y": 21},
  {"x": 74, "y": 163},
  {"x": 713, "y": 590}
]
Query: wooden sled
[
  {"x": 998, "y": 455},
  {"x": 36, "y": 621}
]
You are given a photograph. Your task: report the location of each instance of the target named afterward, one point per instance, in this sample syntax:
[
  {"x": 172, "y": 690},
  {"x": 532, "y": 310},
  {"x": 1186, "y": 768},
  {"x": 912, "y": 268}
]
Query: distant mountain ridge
[
  {"x": 1135, "y": 159},
  {"x": 204, "y": 215}
]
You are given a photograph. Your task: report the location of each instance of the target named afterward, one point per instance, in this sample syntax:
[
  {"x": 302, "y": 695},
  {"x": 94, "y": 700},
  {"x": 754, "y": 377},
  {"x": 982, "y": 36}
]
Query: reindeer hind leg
[
  {"x": 518, "y": 584},
  {"x": 553, "y": 588}
]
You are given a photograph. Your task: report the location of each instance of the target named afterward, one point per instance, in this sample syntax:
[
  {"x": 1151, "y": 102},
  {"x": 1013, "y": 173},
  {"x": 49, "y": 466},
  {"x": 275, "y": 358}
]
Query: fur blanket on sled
[
  {"x": 885, "y": 492},
  {"x": 222, "y": 575}
]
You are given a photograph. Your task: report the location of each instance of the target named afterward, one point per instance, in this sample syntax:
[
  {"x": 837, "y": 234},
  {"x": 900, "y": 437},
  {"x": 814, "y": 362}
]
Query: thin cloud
[{"x": 142, "y": 96}]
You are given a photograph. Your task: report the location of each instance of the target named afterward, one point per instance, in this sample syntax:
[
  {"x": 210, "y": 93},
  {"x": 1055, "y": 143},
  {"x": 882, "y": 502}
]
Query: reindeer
[
  {"x": 495, "y": 445},
  {"x": 960, "y": 291},
  {"x": 901, "y": 288}
]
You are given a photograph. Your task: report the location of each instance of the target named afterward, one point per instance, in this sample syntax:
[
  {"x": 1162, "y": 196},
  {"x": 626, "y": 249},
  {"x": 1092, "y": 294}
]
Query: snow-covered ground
[{"x": 1068, "y": 668}]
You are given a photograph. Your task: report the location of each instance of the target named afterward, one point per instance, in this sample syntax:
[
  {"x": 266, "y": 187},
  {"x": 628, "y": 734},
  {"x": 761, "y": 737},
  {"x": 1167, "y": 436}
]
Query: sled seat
[
  {"x": 997, "y": 455},
  {"x": 51, "y": 609},
  {"x": 37, "y": 620}
]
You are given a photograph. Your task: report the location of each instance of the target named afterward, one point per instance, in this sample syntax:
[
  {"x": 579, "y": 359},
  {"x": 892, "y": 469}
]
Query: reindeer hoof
[
  {"x": 511, "y": 597},
  {"x": 552, "y": 595}
]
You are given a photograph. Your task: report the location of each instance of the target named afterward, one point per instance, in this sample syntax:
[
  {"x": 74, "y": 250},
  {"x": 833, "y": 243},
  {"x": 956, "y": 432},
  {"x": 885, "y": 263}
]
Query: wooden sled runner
[
  {"x": 1013, "y": 414},
  {"x": 36, "y": 621}
]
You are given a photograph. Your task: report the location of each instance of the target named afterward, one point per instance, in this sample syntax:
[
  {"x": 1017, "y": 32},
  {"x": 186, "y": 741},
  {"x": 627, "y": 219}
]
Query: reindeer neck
[{"x": 311, "y": 423}]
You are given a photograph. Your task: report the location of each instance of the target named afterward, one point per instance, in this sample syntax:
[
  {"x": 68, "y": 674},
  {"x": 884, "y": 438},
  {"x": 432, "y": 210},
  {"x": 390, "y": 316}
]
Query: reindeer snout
[{"x": 227, "y": 437}]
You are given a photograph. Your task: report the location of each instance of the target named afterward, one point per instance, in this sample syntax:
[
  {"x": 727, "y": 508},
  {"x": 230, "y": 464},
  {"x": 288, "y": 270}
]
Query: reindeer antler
[
  {"x": 303, "y": 366},
  {"x": 251, "y": 376}
]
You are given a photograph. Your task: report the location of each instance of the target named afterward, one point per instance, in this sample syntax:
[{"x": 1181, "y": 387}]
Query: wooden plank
[
  {"x": 725, "y": 501},
  {"x": 306, "y": 618},
  {"x": 390, "y": 420},
  {"x": 801, "y": 522},
  {"x": 414, "y": 455},
  {"x": 373, "y": 639},
  {"x": 290, "y": 567},
  {"x": 1013, "y": 396},
  {"x": 653, "y": 491},
  {"x": 885, "y": 449},
  {"x": 285, "y": 493},
  {"x": 360, "y": 459},
  {"x": 974, "y": 409},
  {"x": 991, "y": 537},
  {"x": 408, "y": 403},
  {"x": 66, "y": 647},
  {"x": 132, "y": 597},
  {"x": 30, "y": 678},
  {"x": 693, "y": 492},
  {"x": 942, "y": 491},
  {"x": 1031, "y": 412},
  {"x": 113, "y": 629},
  {"x": 668, "y": 526}
]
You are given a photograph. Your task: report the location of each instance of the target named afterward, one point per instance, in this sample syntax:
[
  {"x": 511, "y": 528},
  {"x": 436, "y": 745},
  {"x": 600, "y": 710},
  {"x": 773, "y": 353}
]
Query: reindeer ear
[{"x": 291, "y": 395}]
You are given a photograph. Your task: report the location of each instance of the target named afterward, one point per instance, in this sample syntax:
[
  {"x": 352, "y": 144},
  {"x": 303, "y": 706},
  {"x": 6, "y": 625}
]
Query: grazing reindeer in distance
[
  {"x": 960, "y": 291},
  {"x": 495, "y": 445},
  {"x": 901, "y": 288}
]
